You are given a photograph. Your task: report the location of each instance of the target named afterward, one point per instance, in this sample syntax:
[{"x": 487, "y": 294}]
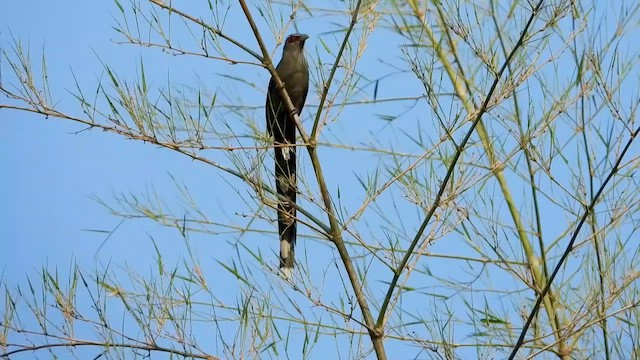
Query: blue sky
[{"x": 55, "y": 170}]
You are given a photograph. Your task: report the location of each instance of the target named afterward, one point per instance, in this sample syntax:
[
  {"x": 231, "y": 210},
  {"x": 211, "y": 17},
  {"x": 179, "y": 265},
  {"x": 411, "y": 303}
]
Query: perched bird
[{"x": 294, "y": 73}]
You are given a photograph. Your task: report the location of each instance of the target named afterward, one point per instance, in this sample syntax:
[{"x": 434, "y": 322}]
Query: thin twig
[
  {"x": 375, "y": 333},
  {"x": 454, "y": 161},
  {"x": 107, "y": 345},
  {"x": 208, "y": 27},
  {"x": 569, "y": 247},
  {"x": 334, "y": 68}
]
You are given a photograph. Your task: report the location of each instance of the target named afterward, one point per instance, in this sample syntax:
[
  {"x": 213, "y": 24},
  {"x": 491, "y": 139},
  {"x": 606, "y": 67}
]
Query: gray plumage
[{"x": 294, "y": 73}]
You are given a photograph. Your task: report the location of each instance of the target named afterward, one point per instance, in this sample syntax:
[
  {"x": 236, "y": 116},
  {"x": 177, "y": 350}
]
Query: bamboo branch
[
  {"x": 443, "y": 185},
  {"x": 375, "y": 332}
]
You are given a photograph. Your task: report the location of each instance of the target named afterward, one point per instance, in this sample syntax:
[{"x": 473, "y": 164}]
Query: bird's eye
[{"x": 296, "y": 38}]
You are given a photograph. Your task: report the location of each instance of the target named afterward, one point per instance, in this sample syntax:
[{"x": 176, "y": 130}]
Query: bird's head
[
  {"x": 295, "y": 41},
  {"x": 293, "y": 58}
]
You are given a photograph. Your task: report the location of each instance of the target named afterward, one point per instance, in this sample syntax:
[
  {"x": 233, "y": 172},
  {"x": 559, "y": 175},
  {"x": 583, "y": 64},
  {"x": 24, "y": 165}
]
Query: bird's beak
[{"x": 304, "y": 37}]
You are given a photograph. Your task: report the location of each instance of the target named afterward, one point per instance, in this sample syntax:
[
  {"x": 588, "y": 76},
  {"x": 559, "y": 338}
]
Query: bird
[{"x": 293, "y": 70}]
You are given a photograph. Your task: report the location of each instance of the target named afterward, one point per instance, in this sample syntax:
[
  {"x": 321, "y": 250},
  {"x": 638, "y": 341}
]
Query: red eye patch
[{"x": 293, "y": 38}]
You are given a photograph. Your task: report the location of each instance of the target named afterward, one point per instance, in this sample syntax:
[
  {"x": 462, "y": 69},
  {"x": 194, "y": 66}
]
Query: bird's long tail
[{"x": 286, "y": 184}]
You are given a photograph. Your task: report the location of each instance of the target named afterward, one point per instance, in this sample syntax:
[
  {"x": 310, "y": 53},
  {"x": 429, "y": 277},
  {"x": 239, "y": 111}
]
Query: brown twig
[
  {"x": 443, "y": 185},
  {"x": 77, "y": 343},
  {"x": 208, "y": 27},
  {"x": 375, "y": 333}
]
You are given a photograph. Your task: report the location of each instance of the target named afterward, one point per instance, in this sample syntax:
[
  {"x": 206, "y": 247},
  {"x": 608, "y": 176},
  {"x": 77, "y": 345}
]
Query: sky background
[
  {"x": 55, "y": 170},
  {"x": 53, "y": 173}
]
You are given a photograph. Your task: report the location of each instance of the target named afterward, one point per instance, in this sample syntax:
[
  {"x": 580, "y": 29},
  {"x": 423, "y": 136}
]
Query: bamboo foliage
[{"x": 467, "y": 189}]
